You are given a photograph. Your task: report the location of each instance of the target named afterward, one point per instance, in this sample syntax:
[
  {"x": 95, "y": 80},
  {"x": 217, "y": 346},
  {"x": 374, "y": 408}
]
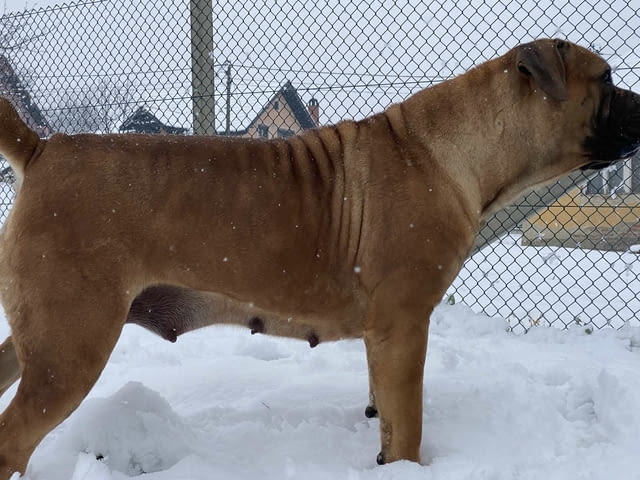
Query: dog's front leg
[{"x": 396, "y": 342}]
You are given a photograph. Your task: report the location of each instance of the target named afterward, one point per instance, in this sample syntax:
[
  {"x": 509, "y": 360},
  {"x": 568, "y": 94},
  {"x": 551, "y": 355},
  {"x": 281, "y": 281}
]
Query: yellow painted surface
[{"x": 575, "y": 210}]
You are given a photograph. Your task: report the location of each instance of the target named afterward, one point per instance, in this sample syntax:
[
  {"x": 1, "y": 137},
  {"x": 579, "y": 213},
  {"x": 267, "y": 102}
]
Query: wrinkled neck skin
[{"x": 482, "y": 139}]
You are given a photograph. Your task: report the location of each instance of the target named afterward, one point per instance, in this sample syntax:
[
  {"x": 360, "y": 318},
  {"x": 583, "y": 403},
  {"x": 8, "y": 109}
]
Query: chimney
[{"x": 314, "y": 111}]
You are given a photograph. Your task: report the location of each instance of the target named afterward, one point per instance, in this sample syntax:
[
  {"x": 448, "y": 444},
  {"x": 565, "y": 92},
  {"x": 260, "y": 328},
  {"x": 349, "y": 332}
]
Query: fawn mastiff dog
[{"x": 352, "y": 230}]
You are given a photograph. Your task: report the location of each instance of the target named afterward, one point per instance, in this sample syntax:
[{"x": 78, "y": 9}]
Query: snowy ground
[
  {"x": 223, "y": 404},
  {"x": 551, "y": 285}
]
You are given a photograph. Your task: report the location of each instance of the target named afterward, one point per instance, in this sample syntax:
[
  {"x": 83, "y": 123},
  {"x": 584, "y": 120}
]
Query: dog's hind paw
[
  {"x": 256, "y": 325},
  {"x": 313, "y": 340}
]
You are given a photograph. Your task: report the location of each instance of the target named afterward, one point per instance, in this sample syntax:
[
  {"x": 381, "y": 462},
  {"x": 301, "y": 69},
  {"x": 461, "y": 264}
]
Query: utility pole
[
  {"x": 229, "y": 82},
  {"x": 202, "y": 76}
]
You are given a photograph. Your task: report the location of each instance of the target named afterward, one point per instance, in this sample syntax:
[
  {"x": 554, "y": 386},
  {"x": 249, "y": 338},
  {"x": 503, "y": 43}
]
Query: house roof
[
  {"x": 299, "y": 110},
  {"x": 19, "y": 93},
  {"x": 143, "y": 121}
]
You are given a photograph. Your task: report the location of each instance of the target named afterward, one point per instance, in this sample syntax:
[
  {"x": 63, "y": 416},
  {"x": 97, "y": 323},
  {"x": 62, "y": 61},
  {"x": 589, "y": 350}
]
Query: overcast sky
[
  {"x": 355, "y": 57},
  {"x": 9, "y": 6},
  {"x": 358, "y": 56}
]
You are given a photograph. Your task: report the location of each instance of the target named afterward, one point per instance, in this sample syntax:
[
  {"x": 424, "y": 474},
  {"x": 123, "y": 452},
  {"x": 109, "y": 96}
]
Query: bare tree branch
[
  {"x": 101, "y": 107},
  {"x": 15, "y": 33}
]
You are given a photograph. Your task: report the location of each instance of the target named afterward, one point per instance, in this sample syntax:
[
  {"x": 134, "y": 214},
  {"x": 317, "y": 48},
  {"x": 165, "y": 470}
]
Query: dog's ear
[{"x": 543, "y": 62}]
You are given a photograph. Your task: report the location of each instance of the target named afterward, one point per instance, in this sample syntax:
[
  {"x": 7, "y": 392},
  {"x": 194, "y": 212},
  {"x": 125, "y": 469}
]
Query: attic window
[
  {"x": 263, "y": 131},
  {"x": 285, "y": 133}
]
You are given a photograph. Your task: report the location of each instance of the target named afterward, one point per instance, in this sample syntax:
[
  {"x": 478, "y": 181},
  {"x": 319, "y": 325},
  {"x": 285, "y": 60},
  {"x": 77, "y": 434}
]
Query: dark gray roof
[
  {"x": 299, "y": 109},
  {"x": 20, "y": 93},
  {"x": 143, "y": 121}
]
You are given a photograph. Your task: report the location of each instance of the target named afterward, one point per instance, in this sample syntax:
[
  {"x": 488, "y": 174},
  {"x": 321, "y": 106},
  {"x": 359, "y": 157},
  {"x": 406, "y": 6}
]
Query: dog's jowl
[{"x": 352, "y": 230}]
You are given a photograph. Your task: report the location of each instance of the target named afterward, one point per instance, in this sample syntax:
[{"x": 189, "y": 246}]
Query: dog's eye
[{"x": 606, "y": 77}]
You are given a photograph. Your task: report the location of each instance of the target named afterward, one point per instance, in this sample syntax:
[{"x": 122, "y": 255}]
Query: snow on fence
[{"x": 270, "y": 69}]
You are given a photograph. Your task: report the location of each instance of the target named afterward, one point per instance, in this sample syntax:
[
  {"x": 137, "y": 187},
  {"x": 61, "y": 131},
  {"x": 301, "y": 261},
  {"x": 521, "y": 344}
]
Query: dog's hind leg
[
  {"x": 63, "y": 338},
  {"x": 9, "y": 366}
]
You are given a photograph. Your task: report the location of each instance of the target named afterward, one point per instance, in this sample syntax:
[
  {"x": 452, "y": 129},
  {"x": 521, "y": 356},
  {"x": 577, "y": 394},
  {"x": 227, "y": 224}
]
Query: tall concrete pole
[{"x": 202, "y": 75}]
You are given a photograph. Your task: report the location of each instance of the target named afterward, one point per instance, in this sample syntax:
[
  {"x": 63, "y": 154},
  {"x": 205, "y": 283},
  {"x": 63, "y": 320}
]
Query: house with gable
[{"x": 282, "y": 116}]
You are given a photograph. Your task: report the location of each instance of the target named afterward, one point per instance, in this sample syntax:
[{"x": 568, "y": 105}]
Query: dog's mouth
[
  {"x": 615, "y": 131},
  {"x": 596, "y": 165}
]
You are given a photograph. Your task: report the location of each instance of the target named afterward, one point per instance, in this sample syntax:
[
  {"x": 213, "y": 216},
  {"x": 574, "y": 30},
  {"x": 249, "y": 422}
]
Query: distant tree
[{"x": 97, "y": 107}]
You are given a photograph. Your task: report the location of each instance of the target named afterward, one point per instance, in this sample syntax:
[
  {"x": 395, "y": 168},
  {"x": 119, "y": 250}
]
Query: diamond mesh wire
[{"x": 560, "y": 257}]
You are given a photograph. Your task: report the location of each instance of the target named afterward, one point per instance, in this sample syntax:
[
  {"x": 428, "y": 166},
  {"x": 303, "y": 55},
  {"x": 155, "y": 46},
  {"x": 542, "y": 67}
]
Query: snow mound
[
  {"x": 134, "y": 431},
  {"x": 450, "y": 319}
]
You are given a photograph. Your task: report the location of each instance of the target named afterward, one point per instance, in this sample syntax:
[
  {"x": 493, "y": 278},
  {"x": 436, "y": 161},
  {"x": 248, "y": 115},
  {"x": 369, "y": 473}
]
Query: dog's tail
[{"x": 18, "y": 142}]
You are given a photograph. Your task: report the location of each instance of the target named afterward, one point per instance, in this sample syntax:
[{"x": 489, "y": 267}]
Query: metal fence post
[{"x": 202, "y": 75}]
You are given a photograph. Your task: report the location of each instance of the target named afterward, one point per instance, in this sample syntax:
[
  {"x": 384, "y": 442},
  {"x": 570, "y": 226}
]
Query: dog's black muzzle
[{"x": 616, "y": 129}]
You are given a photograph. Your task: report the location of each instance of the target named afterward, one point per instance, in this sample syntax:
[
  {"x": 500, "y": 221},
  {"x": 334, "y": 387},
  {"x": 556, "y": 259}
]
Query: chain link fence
[{"x": 273, "y": 68}]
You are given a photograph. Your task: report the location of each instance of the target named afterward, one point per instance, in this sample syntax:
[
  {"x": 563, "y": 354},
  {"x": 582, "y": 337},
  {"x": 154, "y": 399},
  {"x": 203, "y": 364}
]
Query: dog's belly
[{"x": 170, "y": 311}]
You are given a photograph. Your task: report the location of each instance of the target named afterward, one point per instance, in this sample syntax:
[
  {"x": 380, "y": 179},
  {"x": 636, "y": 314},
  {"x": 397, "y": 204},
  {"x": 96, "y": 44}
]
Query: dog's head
[{"x": 600, "y": 120}]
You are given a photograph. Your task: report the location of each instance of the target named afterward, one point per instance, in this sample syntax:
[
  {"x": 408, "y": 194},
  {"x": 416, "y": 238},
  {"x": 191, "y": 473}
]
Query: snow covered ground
[
  {"x": 223, "y": 404},
  {"x": 551, "y": 285}
]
